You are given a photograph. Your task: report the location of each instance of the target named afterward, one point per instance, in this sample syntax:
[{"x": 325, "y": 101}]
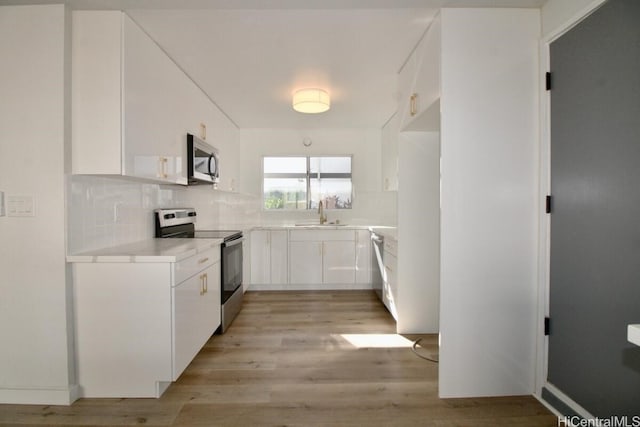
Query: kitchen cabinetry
[
  {"x": 132, "y": 106},
  {"x": 363, "y": 257},
  {"x": 269, "y": 257},
  {"x": 196, "y": 314},
  {"x": 390, "y": 283},
  {"x": 419, "y": 83},
  {"x": 139, "y": 324},
  {"x": 322, "y": 257}
]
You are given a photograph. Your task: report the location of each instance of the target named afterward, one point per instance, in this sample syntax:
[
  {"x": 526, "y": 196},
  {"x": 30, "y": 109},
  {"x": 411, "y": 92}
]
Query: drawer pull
[{"x": 203, "y": 260}]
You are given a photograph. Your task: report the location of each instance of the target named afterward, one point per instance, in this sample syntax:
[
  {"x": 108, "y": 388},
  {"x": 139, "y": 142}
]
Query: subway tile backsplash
[{"x": 105, "y": 211}]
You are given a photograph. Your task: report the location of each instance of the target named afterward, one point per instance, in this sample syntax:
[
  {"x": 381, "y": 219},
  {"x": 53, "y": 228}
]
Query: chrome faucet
[{"x": 323, "y": 218}]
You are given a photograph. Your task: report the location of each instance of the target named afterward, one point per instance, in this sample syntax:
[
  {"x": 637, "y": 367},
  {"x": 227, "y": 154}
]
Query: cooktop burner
[{"x": 217, "y": 234}]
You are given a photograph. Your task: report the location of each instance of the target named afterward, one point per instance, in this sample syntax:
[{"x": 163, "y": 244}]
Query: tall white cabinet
[
  {"x": 489, "y": 201},
  {"x": 467, "y": 200}
]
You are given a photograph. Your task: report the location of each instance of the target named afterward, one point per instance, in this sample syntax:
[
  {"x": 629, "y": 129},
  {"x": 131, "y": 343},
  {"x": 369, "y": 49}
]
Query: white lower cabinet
[
  {"x": 310, "y": 258},
  {"x": 338, "y": 262},
  {"x": 390, "y": 284},
  {"x": 138, "y": 325},
  {"x": 269, "y": 257},
  {"x": 363, "y": 257},
  {"x": 305, "y": 262},
  {"x": 325, "y": 257},
  {"x": 197, "y": 315}
]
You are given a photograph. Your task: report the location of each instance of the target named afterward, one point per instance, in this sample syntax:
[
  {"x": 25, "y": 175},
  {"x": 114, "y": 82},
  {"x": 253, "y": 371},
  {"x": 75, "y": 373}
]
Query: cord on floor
[{"x": 413, "y": 348}]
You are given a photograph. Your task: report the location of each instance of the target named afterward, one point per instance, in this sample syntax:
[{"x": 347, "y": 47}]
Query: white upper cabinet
[
  {"x": 132, "y": 106},
  {"x": 419, "y": 83}
]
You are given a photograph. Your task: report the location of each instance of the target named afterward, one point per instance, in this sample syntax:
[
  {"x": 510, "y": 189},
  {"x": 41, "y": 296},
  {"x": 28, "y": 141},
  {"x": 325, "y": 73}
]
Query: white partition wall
[
  {"x": 489, "y": 165},
  {"x": 36, "y": 348},
  {"x": 418, "y": 297}
]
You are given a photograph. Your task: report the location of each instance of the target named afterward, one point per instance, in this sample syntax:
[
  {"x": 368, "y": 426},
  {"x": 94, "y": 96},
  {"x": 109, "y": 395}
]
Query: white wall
[
  {"x": 34, "y": 329},
  {"x": 370, "y": 204},
  {"x": 489, "y": 205}
]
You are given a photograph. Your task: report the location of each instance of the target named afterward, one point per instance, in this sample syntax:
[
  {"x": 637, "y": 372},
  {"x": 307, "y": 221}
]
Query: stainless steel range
[{"x": 180, "y": 223}]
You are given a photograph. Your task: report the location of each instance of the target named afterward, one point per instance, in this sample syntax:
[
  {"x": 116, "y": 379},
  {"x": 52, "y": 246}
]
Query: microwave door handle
[{"x": 209, "y": 165}]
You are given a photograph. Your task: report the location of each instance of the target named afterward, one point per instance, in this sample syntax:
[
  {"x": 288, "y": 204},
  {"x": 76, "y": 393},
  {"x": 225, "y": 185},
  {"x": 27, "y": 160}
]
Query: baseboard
[
  {"x": 49, "y": 396},
  {"x": 561, "y": 404},
  {"x": 309, "y": 287}
]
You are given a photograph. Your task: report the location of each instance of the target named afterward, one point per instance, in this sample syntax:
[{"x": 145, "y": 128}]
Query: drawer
[
  {"x": 193, "y": 265},
  {"x": 321, "y": 235}
]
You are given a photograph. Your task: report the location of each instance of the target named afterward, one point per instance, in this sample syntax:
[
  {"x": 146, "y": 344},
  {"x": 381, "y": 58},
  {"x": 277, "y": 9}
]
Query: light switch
[{"x": 20, "y": 206}]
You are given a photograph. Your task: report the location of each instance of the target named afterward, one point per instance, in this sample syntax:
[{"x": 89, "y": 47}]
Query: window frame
[{"x": 308, "y": 176}]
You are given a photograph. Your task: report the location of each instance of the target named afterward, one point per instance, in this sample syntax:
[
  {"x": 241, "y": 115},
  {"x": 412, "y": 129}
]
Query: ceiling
[{"x": 249, "y": 56}]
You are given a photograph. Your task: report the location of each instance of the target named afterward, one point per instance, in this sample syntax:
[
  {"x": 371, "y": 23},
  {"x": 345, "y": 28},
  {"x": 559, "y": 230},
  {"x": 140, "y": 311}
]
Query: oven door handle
[{"x": 233, "y": 242}]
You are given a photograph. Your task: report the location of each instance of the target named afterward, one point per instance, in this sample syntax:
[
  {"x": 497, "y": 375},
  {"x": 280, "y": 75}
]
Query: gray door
[{"x": 595, "y": 219}]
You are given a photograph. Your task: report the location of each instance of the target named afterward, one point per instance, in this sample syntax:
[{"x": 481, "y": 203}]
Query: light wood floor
[{"x": 289, "y": 360}]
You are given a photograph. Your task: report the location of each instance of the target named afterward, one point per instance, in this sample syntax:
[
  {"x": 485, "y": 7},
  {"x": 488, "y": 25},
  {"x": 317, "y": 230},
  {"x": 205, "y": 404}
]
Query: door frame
[{"x": 544, "y": 221}]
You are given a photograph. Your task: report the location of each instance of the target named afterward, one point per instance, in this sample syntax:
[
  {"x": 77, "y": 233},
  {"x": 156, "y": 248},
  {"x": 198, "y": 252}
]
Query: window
[{"x": 291, "y": 183}]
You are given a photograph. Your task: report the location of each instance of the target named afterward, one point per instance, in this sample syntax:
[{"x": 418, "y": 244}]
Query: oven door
[{"x": 231, "y": 267}]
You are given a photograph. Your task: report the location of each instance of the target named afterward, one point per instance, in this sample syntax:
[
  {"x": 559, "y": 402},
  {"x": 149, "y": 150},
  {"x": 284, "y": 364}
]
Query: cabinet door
[
  {"x": 427, "y": 87},
  {"x": 96, "y": 118},
  {"x": 122, "y": 317},
  {"x": 339, "y": 261},
  {"x": 260, "y": 257},
  {"x": 196, "y": 315},
  {"x": 363, "y": 256},
  {"x": 279, "y": 256},
  {"x": 419, "y": 84},
  {"x": 406, "y": 84},
  {"x": 390, "y": 286},
  {"x": 152, "y": 147},
  {"x": 305, "y": 262}
]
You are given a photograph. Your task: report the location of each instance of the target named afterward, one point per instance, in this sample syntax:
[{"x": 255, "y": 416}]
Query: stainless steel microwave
[{"x": 203, "y": 162}]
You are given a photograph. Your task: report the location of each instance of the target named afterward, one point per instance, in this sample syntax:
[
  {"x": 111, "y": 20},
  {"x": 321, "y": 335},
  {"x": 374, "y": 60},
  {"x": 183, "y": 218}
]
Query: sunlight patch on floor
[{"x": 377, "y": 340}]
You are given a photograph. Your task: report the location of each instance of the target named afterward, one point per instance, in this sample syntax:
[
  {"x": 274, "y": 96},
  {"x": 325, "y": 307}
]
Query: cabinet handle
[
  {"x": 163, "y": 167},
  {"x": 201, "y": 284},
  {"x": 413, "y": 105},
  {"x": 206, "y": 283},
  {"x": 203, "y": 260}
]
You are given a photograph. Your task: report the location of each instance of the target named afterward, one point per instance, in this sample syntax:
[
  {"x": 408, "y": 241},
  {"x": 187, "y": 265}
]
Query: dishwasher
[{"x": 377, "y": 266}]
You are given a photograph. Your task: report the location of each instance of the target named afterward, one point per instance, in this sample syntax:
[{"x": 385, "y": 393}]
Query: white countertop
[
  {"x": 633, "y": 334},
  {"x": 152, "y": 250},
  {"x": 311, "y": 227},
  {"x": 389, "y": 232}
]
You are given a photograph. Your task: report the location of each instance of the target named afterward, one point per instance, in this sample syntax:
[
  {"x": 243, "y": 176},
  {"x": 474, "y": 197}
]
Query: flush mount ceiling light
[{"x": 311, "y": 101}]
